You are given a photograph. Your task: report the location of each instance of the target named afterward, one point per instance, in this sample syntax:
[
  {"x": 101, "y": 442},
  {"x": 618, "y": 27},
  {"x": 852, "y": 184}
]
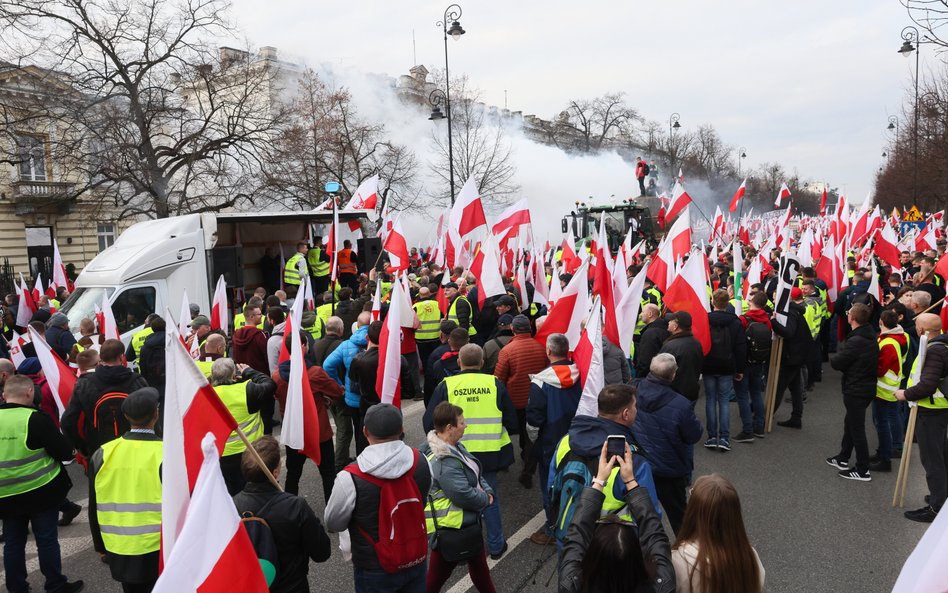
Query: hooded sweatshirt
[
  {"x": 250, "y": 348},
  {"x": 758, "y": 315},
  {"x": 554, "y": 396},
  {"x": 347, "y": 511}
]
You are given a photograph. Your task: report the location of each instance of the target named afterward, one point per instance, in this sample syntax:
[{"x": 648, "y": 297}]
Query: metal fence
[{"x": 7, "y": 280}]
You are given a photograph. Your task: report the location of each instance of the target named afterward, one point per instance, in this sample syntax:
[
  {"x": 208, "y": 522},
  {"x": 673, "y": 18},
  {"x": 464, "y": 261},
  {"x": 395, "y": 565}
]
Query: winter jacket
[
  {"x": 889, "y": 359},
  {"x": 933, "y": 372},
  {"x": 323, "y": 347},
  {"x": 354, "y": 504},
  {"x": 652, "y": 539},
  {"x": 649, "y": 344},
  {"x": 84, "y": 397},
  {"x": 554, "y": 396},
  {"x": 796, "y": 335},
  {"x": 858, "y": 358},
  {"x": 446, "y": 366},
  {"x": 151, "y": 361},
  {"x": 452, "y": 474},
  {"x": 519, "y": 359},
  {"x": 431, "y": 380},
  {"x": 364, "y": 370},
  {"x": 274, "y": 345},
  {"x": 492, "y": 349},
  {"x": 249, "y": 347},
  {"x": 348, "y": 311},
  {"x": 690, "y": 358},
  {"x": 734, "y": 360},
  {"x": 615, "y": 364},
  {"x": 339, "y": 360},
  {"x": 666, "y": 426},
  {"x": 491, "y": 461},
  {"x": 47, "y": 401},
  {"x": 61, "y": 340},
  {"x": 297, "y": 532},
  {"x": 586, "y": 436},
  {"x": 321, "y": 385}
]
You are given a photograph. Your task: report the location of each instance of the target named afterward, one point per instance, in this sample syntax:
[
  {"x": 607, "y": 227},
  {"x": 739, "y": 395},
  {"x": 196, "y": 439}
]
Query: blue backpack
[{"x": 573, "y": 474}]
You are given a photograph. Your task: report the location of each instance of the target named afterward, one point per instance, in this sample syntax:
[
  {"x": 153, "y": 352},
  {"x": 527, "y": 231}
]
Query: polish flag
[
  {"x": 887, "y": 247},
  {"x": 738, "y": 195},
  {"x": 184, "y": 321},
  {"x": 520, "y": 281},
  {"x": 108, "y": 327},
  {"x": 783, "y": 193},
  {"x": 467, "y": 215},
  {"x": 486, "y": 268},
  {"x": 60, "y": 378},
  {"x": 627, "y": 311},
  {"x": 875, "y": 289},
  {"x": 16, "y": 348},
  {"x": 661, "y": 270},
  {"x": 59, "y": 271},
  {"x": 680, "y": 200},
  {"x": 827, "y": 270},
  {"x": 541, "y": 290},
  {"x": 388, "y": 381},
  {"x": 397, "y": 247},
  {"x": 512, "y": 218},
  {"x": 717, "y": 227},
  {"x": 220, "y": 318},
  {"x": 38, "y": 288},
  {"x": 567, "y": 313},
  {"x": 823, "y": 201},
  {"x": 859, "y": 229},
  {"x": 440, "y": 297},
  {"x": 926, "y": 239},
  {"x": 604, "y": 286},
  {"x": 753, "y": 276},
  {"x": 366, "y": 197},
  {"x": 26, "y": 307},
  {"x": 300, "y": 419},
  {"x": 192, "y": 409},
  {"x": 941, "y": 268},
  {"x": 689, "y": 292},
  {"x": 213, "y": 551},
  {"x": 588, "y": 357},
  {"x": 377, "y": 301},
  {"x": 680, "y": 234}
]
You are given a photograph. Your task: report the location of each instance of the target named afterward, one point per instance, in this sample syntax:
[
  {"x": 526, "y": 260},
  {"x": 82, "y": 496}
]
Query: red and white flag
[
  {"x": 15, "y": 346},
  {"x": 738, "y": 195},
  {"x": 486, "y": 269},
  {"x": 300, "y": 418},
  {"x": 588, "y": 357},
  {"x": 192, "y": 409},
  {"x": 220, "y": 317},
  {"x": 717, "y": 226},
  {"x": 59, "y": 271},
  {"x": 388, "y": 382},
  {"x": 628, "y": 311},
  {"x": 875, "y": 289},
  {"x": 38, "y": 288},
  {"x": 887, "y": 247},
  {"x": 107, "y": 325},
  {"x": 467, "y": 215},
  {"x": 568, "y": 312},
  {"x": 377, "y": 301},
  {"x": 366, "y": 197},
  {"x": 680, "y": 200},
  {"x": 783, "y": 193},
  {"x": 26, "y": 307},
  {"x": 604, "y": 287},
  {"x": 541, "y": 290},
  {"x": 397, "y": 246},
  {"x": 60, "y": 378},
  {"x": 213, "y": 552},
  {"x": 184, "y": 320},
  {"x": 512, "y": 218},
  {"x": 823, "y": 201},
  {"x": 689, "y": 292}
]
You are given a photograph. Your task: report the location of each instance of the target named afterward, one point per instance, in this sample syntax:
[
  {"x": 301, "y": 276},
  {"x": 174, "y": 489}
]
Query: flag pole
[
  {"x": 258, "y": 459},
  {"x": 898, "y": 497}
]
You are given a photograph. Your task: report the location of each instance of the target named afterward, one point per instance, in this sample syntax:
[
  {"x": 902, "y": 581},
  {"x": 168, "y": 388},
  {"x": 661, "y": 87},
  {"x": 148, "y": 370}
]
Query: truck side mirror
[{"x": 564, "y": 226}]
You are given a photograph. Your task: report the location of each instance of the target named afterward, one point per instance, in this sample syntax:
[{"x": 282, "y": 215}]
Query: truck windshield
[{"x": 82, "y": 303}]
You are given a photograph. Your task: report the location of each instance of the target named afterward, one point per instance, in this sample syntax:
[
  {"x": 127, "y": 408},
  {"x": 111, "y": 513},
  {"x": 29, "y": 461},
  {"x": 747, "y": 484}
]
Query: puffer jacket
[
  {"x": 858, "y": 358},
  {"x": 337, "y": 363},
  {"x": 450, "y": 473},
  {"x": 615, "y": 365},
  {"x": 665, "y": 426},
  {"x": 649, "y": 344}
]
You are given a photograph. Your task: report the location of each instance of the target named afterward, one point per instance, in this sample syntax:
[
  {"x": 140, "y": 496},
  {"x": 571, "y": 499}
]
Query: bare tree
[
  {"x": 587, "y": 125},
  {"x": 168, "y": 123}
]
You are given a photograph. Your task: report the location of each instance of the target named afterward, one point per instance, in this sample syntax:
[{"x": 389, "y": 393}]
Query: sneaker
[
  {"x": 724, "y": 445},
  {"x": 855, "y": 474},
  {"x": 711, "y": 443},
  {"x": 499, "y": 554},
  {"x": 925, "y": 514},
  {"x": 73, "y": 587},
  {"x": 875, "y": 458},
  {"x": 791, "y": 423},
  {"x": 744, "y": 437},
  {"x": 837, "y": 463},
  {"x": 880, "y": 466},
  {"x": 758, "y": 434},
  {"x": 542, "y": 538},
  {"x": 69, "y": 514}
]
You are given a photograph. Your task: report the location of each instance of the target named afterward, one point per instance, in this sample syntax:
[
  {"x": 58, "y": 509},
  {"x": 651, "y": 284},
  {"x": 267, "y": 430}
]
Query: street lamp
[
  {"x": 451, "y": 15},
  {"x": 436, "y": 99},
  {"x": 741, "y": 157},
  {"x": 672, "y": 125},
  {"x": 910, "y": 41}
]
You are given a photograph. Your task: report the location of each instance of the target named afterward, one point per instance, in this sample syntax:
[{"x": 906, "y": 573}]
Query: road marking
[
  {"x": 524, "y": 533},
  {"x": 69, "y": 545}
]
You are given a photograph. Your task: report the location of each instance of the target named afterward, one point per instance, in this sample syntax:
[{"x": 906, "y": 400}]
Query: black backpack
[
  {"x": 108, "y": 421},
  {"x": 759, "y": 342},
  {"x": 261, "y": 537},
  {"x": 646, "y": 169},
  {"x": 722, "y": 348}
]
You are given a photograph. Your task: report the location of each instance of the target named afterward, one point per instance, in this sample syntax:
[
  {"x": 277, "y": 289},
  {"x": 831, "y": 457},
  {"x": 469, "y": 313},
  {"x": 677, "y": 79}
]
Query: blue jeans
[
  {"x": 46, "y": 533},
  {"x": 411, "y": 580},
  {"x": 491, "y": 514},
  {"x": 717, "y": 402},
  {"x": 750, "y": 398},
  {"x": 887, "y": 418}
]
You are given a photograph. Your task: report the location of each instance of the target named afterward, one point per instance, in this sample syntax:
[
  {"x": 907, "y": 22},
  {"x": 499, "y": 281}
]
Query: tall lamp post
[
  {"x": 910, "y": 42},
  {"x": 740, "y": 158},
  {"x": 672, "y": 126},
  {"x": 451, "y": 15}
]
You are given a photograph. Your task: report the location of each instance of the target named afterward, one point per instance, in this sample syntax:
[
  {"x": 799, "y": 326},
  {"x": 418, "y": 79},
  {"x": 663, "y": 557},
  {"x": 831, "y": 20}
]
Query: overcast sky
[{"x": 809, "y": 84}]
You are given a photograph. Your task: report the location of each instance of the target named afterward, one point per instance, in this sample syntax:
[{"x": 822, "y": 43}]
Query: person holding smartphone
[{"x": 610, "y": 555}]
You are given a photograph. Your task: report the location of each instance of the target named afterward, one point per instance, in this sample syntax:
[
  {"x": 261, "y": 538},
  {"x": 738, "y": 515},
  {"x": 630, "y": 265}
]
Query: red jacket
[
  {"x": 321, "y": 385},
  {"x": 888, "y": 356},
  {"x": 640, "y": 169}
]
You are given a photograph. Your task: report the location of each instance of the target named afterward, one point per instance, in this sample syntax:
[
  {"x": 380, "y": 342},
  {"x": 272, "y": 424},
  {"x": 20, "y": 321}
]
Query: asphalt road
[{"x": 813, "y": 530}]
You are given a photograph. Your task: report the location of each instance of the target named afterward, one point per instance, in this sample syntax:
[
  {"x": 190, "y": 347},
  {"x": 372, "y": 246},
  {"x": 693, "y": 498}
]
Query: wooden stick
[
  {"x": 773, "y": 376},
  {"x": 901, "y": 482},
  {"x": 257, "y": 458}
]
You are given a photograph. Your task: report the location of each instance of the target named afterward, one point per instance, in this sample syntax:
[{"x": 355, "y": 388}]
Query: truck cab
[{"x": 620, "y": 219}]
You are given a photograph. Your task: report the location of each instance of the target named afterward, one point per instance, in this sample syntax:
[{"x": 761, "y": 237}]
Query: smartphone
[{"x": 615, "y": 445}]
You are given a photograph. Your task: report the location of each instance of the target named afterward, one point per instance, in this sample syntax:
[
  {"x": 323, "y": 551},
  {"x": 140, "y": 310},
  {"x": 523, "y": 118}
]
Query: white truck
[{"x": 154, "y": 262}]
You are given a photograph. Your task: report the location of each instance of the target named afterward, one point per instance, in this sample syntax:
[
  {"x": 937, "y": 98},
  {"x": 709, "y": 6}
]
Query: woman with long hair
[
  {"x": 604, "y": 554},
  {"x": 713, "y": 553}
]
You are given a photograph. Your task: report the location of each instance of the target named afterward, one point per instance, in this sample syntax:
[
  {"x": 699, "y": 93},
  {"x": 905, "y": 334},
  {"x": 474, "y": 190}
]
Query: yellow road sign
[{"x": 913, "y": 215}]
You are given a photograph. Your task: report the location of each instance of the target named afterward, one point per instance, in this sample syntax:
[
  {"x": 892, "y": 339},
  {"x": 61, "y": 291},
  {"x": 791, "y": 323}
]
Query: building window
[
  {"x": 31, "y": 157},
  {"x": 105, "y": 231}
]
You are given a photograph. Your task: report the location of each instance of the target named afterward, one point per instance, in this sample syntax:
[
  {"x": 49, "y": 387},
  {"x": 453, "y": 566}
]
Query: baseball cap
[
  {"x": 453, "y": 285},
  {"x": 505, "y": 300},
  {"x": 682, "y": 317},
  {"x": 29, "y": 366},
  {"x": 796, "y": 293},
  {"x": 505, "y": 319},
  {"x": 383, "y": 421},
  {"x": 194, "y": 308},
  {"x": 141, "y": 403},
  {"x": 199, "y": 321},
  {"x": 520, "y": 324}
]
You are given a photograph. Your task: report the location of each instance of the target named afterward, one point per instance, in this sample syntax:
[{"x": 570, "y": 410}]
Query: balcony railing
[{"x": 29, "y": 196}]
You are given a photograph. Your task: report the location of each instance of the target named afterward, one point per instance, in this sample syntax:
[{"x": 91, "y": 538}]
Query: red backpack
[{"x": 403, "y": 539}]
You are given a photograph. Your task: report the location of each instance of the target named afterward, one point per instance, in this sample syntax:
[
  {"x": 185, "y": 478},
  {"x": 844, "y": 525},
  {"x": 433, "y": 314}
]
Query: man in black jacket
[
  {"x": 111, "y": 376},
  {"x": 297, "y": 532},
  {"x": 797, "y": 341},
  {"x": 687, "y": 352},
  {"x": 649, "y": 342},
  {"x": 858, "y": 358}
]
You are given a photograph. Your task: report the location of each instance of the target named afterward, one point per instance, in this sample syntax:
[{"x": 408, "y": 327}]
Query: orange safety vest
[{"x": 346, "y": 264}]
